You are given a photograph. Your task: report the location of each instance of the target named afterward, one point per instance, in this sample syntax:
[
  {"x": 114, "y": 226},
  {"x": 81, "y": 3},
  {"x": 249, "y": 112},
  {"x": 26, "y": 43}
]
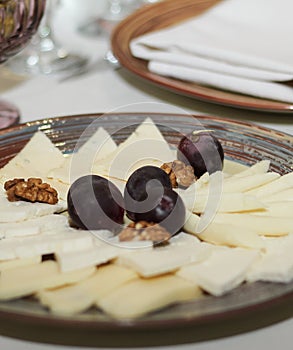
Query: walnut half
[
  {"x": 144, "y": 231},
  {"x": 32, "y": 190},
  {"x": 179, "y": 173}
]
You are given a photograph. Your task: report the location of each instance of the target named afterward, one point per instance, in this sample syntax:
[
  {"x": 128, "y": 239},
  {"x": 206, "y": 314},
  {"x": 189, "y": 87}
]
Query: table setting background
[{"x": 102, "y": 88}]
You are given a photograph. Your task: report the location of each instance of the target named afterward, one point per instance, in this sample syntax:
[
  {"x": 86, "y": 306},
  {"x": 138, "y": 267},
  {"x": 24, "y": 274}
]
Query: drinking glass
[
  {"x": 45, "y": 55},
  {"x": 19, "y": 20}
]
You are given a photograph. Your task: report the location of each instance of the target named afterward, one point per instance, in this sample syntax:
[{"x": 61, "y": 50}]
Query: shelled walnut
[
  {"x": 179, "y": 173},
  {"x": 144, "y": 231},
  {"x": 32, "y": 190}
]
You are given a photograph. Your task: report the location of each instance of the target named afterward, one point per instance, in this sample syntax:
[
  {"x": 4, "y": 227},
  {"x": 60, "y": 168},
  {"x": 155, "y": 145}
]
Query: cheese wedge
[
  {"x": 183, "y": 249},
  {"x": 224, "y": 233},
  {"x": 22, "y": 281},
  {"x": 37, "y": 157},
  {"x": 276, "y": 264},
  {"x": 224, "y": 270},
  {"x": 12, "y": 171},
  {"x": 76, "y": 298},
  {"x": 146, "y": 130},
  {"x": 141, "y": 296},
  {"x": 145, "y": 146},
  {"x": 97, "y": 147}
]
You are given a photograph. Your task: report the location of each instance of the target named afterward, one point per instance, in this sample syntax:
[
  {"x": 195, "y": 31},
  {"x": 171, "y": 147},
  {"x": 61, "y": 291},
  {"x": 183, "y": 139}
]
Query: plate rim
[
  {"x": 155, "y": 15},
  {"x": 47, "y": 120}
]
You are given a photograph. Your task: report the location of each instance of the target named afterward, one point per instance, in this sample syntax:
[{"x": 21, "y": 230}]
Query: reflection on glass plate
[{"x": 248, "y": 307}]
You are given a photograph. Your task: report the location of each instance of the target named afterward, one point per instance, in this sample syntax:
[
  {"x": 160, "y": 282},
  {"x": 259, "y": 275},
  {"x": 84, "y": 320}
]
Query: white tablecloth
[{"x": 104, "y": 89}]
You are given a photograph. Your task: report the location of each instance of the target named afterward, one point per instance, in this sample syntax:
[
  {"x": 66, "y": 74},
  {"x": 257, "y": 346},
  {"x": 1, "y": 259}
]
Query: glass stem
[{"x": 46, "y": 41}]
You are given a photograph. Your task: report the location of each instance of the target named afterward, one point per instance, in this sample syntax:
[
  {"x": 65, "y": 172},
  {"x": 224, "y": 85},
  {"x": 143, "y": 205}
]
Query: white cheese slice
[
  {"x": 99, "y": 253},
  {"x": 146, "y": 130},
  {"x": 205, "y": 185},
  {"x": 76, "y": 298},
  {"x": 231, "y": 167},
  {"x": 246, "y": 183},
  {"x": 21, "y": 210},
  {"x": 283, "y": 183},
  {"x": 282, "y": 209},
  {"x": 224, "y": 233},
  {"x": 222, "y": 271},
  {"x": 141, "y": 296},
  {"x": 183, "y": 249},
  {"x": 219, "y": 183},
  {"x": 23, "y": 281},
  {"x": 285, "y": 195},
  {"x": 139, "y": 154},
  {"x": 66, "y": 240},
  {"x": 97, "y": 147},
  {"x": 35, "y": 226},
  {"x": 12, "y": 171},
  {"x": 261, "y": 167},
  {"x": 228, "y": 203},
  {"x": 276, "y": 264},
  {"x": 37, "y": 157},
  {"x": 12, "y": 264},
  {"x": 263, "y": 225},
  {"x": 145, "y": 146}
]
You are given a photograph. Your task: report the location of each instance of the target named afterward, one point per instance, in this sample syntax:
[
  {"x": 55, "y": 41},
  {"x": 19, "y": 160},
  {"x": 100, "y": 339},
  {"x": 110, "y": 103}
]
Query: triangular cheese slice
[
  {"x": 36, "y": 159},
  {"x": 97, "y": 147},
  {"x": 145, "y": 146}
]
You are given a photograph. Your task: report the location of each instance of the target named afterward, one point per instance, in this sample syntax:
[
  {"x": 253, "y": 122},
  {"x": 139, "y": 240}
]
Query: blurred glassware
[
  {"x": 114, "y": 12},
  {"x": 19, "y": 20},
  {"x": 44, "y": 55}
]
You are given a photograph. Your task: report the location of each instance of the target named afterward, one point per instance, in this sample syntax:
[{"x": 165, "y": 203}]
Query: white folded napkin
[{"x": 243, "y": 46}]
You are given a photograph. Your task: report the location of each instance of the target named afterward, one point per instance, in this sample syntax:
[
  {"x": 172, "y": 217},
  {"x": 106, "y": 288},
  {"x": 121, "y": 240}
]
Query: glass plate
[{"x": 247, "y": 307}]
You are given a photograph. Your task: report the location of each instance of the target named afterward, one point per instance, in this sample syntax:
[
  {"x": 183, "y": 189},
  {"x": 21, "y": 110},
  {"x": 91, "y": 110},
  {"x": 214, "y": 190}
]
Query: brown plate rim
[{"x": 158, "y": 16}]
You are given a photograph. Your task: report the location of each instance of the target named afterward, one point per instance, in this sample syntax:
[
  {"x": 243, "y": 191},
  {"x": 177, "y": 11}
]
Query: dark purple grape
[
  {"x": 144, "y": 177},
  {"x": 203, "y": 151},
  {"x": 95, "y": 203},
  {"x": 162, "y": 205}
]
